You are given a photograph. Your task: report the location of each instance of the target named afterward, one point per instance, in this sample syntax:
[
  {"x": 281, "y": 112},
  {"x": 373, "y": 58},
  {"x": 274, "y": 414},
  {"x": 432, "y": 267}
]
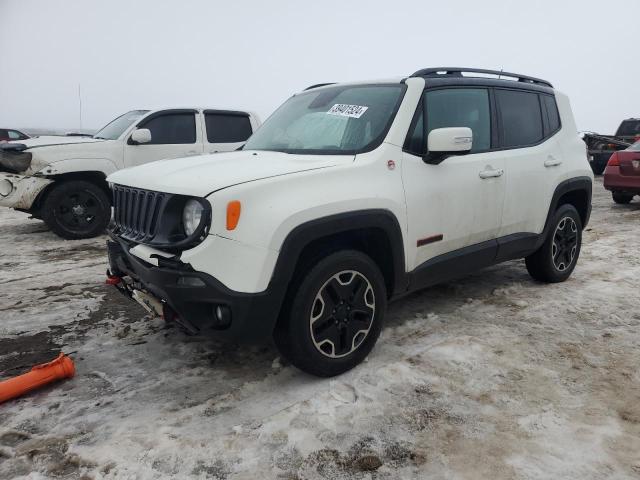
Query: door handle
[
  {"x": 491, "y": 173},
  {"x": 552, "y": 162},
  {"x": 191, "y": 153}
]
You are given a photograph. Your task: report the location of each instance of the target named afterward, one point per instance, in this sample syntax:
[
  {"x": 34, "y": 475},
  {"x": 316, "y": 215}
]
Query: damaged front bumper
[
  {"x": 196, "y": 300},
  {"x": 20, "y": 191}
]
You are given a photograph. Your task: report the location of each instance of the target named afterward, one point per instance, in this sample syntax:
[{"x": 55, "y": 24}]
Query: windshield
[
  {"x": 338, "y": 120},
  {"x": 115, "y": 128},
  {"x": 635, "y": 147}
]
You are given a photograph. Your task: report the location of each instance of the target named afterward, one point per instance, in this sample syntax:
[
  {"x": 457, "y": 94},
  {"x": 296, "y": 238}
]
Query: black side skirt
[{"x": 469, "y": 259}]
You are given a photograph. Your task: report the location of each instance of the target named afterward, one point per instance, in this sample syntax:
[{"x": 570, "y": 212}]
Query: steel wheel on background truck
[{"x": 76, "y": 209}]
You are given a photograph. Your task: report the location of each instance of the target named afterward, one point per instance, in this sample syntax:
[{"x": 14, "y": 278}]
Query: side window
[
  {"x": 552, "y": 112},
  {"x": 227, "y": 128},
  {"x": 521, "y": 118},
  {"x": 13, "y": 135},
  {"x": 461, "y": 107},
  {"x": 172, "y": 128}
]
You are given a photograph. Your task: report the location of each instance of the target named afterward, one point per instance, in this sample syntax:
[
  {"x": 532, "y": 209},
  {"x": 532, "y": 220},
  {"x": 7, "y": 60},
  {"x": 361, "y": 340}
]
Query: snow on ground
[{"x": 491, "y": 376}]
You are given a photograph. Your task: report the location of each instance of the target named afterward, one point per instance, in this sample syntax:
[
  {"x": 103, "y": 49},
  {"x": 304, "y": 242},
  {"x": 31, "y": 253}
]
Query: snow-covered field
[{"x": 492, "y": 376}]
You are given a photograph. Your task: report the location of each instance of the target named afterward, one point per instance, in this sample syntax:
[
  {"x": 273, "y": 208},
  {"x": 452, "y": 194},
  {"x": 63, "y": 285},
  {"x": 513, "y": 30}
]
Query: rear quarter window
[{"x": 553, "y": 117}]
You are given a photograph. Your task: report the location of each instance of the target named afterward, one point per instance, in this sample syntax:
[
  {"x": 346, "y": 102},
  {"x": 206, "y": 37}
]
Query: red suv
[{"x": 622, "y": 175}]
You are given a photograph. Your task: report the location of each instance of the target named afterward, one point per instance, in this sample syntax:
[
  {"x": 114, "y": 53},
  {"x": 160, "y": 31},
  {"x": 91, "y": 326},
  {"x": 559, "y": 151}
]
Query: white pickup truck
[{"x": 61, "y": 180}]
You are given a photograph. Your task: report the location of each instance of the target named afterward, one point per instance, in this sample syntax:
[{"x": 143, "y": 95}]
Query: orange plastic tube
[{"x": 61, "y": 367}]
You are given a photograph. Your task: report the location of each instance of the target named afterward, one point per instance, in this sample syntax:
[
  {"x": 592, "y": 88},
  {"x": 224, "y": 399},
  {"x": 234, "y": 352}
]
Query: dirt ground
[{"x": 491, "y": 376}]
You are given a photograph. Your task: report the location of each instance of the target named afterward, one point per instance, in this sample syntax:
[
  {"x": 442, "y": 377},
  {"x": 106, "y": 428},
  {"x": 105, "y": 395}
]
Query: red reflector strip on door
[{"x": 431, "y": 239}]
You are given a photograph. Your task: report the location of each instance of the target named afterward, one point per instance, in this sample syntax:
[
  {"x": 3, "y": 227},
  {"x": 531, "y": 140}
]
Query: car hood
[
  {"x": 202, "y": 175},
  {"x": 50, "y": 140}
]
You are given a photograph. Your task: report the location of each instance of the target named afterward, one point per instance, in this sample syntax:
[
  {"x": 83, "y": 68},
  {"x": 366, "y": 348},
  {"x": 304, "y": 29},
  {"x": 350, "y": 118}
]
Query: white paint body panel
[
  {"x": 467, "y": 198},
  {"x": 19, "y": 191}
]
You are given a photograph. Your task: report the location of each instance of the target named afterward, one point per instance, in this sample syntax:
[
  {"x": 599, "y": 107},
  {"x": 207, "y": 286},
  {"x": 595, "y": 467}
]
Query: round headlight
[{"x": 192, "y": 216}]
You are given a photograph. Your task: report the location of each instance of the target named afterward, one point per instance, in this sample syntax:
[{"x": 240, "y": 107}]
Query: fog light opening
[
  {"x": 6, "y": 187},
  {"x": 222, "y": 316}
]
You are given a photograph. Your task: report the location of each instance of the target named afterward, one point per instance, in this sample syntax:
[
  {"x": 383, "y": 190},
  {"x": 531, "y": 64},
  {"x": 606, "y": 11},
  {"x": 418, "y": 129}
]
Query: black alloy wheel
[{"x": 342, "y": 314}]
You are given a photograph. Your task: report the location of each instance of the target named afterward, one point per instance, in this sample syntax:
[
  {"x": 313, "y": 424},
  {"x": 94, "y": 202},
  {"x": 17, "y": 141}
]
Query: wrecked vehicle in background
[
  {"x": 601, "y": 147},
  {"x": 62, "y": 180}
]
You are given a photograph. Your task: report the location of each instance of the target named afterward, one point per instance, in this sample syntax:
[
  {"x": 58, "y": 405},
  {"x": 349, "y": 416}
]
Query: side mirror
[
  {"x": 141, "y": 135},
  {"x": 442, "y": 142}
]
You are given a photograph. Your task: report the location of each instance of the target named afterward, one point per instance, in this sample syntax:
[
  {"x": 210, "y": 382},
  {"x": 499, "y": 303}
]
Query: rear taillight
[{"x": 614, "y": 161}]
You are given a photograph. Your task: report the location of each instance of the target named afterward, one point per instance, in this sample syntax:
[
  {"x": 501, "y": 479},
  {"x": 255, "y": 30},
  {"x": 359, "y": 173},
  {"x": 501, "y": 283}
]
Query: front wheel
[
  {"x": 621, "y": 198},
  {"x": 335, "y": 315},
  {"x": 557, "y": 257},
  {"x": 76, "y": 209}
]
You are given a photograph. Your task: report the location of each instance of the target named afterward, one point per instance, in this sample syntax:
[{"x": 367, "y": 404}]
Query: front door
[
  {"x": 458, "y": 202},
  {"x": 174, "y": 134}
]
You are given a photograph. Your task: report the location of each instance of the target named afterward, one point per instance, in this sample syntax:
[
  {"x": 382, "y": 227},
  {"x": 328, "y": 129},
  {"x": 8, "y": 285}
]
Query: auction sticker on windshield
[{"x": 353, "y": 111}]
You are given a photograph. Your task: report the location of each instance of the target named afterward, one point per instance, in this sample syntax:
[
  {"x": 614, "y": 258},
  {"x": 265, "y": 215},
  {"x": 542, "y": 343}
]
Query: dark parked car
[
  {"x": 9, "y": 134},
  {"x": 602, "y": 146},
  {"x": 622, "y": 175}
]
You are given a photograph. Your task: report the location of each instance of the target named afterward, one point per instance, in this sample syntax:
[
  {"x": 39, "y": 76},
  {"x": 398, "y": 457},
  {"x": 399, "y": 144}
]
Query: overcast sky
[{"x": 253, "y": 55}]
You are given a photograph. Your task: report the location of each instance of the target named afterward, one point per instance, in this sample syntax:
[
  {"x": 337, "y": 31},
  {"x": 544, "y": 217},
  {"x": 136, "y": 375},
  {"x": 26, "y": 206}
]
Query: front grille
[{"x": 136, "y": 212}]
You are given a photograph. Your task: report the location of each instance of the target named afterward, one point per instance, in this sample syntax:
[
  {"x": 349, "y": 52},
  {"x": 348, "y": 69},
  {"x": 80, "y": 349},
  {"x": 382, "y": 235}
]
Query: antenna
[{"x": 80, "y": 105}]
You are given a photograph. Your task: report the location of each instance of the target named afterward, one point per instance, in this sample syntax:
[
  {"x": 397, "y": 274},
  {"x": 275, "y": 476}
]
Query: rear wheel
[
  {"x": 335, "y": 315},
  {"x": 621, "y": 198},
  {"x": 557, "y": 257},
  {"x": 76, "y": 209}
]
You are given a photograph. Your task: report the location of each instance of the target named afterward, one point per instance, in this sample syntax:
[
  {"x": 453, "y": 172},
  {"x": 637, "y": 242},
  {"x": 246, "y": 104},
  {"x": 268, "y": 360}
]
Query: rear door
[
  {"x": 174, "y": 134},
  {"x": 225, "y": 131},
  {"x": 528, "y": 122}
]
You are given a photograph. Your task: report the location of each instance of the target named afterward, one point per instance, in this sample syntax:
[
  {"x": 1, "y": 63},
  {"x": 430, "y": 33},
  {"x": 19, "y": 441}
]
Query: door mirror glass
[
  {"x": 141, "y": 135},
  {"x": 450, "y": 140}
]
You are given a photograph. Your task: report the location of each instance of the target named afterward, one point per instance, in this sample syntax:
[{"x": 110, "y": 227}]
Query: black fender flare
[
  {"x": 316, "y": 229},
  {"x": 584, "y": 184}
]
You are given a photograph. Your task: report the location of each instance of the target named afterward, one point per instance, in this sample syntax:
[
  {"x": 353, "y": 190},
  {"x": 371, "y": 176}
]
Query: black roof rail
[
  {"x": 458, "y": 71},
  {"x": 318, "y": 85}
]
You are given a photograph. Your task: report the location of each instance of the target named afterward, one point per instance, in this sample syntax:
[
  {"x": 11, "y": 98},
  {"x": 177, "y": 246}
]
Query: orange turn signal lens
[{"x": 233, "y": 214}]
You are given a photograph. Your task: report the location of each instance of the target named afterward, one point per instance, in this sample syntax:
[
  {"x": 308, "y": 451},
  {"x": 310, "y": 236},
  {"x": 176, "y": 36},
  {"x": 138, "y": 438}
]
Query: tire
[
  {"x": 597, "y": 167},
  {"x": 621, "y": 198},
  {"x": 76, "y": 209},
  {"x": 326, "y": 342},
  {"x": 555, "y": 260}
]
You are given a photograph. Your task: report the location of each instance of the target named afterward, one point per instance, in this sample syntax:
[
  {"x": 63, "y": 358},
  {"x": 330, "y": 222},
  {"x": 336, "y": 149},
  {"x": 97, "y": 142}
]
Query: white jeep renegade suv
[{"x": 351, "y": 195}]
